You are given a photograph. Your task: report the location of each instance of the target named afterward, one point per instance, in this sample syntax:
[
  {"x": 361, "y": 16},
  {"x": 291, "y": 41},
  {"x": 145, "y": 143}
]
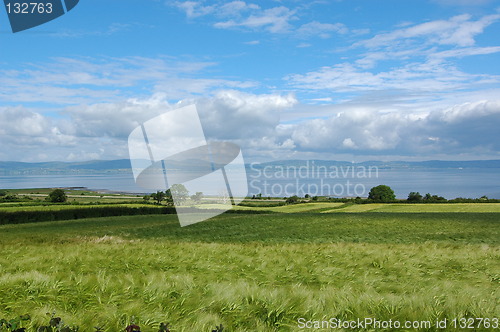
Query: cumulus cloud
[
  {"x": 462, "y": 128},
  {"x": 100, "y": 131},
  {"x": 237, "y": 115},
  {"x": 28, "y": 135}
]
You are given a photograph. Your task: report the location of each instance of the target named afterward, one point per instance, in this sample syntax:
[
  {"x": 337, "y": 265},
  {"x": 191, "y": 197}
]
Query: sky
[{"x": 347, "y": 80}]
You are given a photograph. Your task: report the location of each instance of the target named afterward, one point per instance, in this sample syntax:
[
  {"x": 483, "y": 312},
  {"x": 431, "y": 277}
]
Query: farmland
[{"x": 257, "y": 272}]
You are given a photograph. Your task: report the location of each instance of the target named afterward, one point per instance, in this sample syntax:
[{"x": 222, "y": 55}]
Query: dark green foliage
[
  {"x": 292, "y": 200},
  {"x": 382, "y": 193},
  {"x": 14, "y": 198},
  {"x": 158, "y": 196},
  {"x": 262, "y": 204},
  {"x": 3, "y": 193},
  {"x": 20, "y": 217},
  {"x": 58, "y": 196},
  {"x": 433, "y": 199},
  {"x": 483, "y": 199},
  {"x": 414, "y": 197}
]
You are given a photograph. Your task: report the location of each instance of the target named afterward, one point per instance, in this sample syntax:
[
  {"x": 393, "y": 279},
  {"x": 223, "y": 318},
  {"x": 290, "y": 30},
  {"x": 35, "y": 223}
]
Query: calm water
[{"x": 449, "y": 183}]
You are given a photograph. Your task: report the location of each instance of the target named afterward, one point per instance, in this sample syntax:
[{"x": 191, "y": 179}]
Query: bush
[
  {"x": 19, "y": 217},
  {"x": 292, "y": 200},
  {"x": 414, "y": 197},
  {"x": 382, "y": 193},
  {"x": 58, "y": 196}
]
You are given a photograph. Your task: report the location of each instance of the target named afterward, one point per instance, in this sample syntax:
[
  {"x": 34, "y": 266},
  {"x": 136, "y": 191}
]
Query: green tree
[
  {"x": 292, "y": 199},
  {"x": 414, "y": 197},
  {"x": 382, "y": 193},
  {"x": 57, "y": 196},
  {"x": 3, "y": 193},
  {"x": 158, "y": 196},
  {"x": 179, "y": 192},
  {"x": 197, "y": 197}
]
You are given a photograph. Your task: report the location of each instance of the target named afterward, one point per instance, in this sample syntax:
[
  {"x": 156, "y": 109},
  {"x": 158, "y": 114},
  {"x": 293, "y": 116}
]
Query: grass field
[{"x": 256, "y": 272}]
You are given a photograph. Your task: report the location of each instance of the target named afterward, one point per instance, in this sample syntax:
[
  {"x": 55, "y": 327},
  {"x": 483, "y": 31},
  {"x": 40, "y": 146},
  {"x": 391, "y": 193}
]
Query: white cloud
[
  {"x": 100, "y": 131},
  {"x": 463, "y": 2},
  {"x": 463, "y": 128},
  {"x": 432, "y": 75},
  {"x": 244, "y": 15},
  {"x": 459, "y": 30},
  {"x": 275, "y": 20},
  {"x": 236, "y": 115},
  {"x": 87, "y": 80},
  {"x": 194, "y": 8},
  {"x": 322, "y": 30},
  {"x": 463, "y": 52}
]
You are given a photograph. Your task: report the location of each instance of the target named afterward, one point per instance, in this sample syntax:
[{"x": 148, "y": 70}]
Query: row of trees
[
  {"x": 385, "y": 194},
  {"x": 55, "y": 196},
  {"x": 178, "y": 191}
]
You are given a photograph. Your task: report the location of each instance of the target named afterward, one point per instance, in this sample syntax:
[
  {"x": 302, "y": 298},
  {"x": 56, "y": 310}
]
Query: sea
[{"x": 448, "y": 183}]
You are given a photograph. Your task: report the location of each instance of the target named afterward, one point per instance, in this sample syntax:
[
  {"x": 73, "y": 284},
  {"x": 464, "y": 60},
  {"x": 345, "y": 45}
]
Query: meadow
[{"x": 257, "y": 272}]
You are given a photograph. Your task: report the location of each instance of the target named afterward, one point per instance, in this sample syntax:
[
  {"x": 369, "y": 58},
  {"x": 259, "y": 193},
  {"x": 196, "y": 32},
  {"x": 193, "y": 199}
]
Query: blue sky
[{"x": 343, "y": 80}]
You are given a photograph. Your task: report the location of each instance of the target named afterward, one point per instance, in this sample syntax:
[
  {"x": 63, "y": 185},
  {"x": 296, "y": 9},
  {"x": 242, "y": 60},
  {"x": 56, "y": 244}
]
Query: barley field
[{"x": 255, "y": 272}]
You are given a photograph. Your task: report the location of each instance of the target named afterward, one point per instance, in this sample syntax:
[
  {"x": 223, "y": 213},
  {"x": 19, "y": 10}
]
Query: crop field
[
  {"x": 257, "y": 272},
  {"x": 421, "y": 208}
]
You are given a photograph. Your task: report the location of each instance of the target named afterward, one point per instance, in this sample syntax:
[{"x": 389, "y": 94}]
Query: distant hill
[
  {"x": 56, "y": 167},
  {"x": 386, "y": 165},
  {"x": 123, "y": 166}
]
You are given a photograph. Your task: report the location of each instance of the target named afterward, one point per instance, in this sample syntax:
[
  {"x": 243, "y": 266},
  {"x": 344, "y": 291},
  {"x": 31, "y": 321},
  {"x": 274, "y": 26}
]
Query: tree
[
  {"x": 292, "y": 200},
  {"x": 382, "y": 193},
  {"x": 3, "y": 193},
  {"x": 414, "y": 197},
  {"x": 179, "y": 192},
  {"x": 58, "y": 196},
  {"x": 158, "y": 196},
  {"x": 197, "y": 197}
]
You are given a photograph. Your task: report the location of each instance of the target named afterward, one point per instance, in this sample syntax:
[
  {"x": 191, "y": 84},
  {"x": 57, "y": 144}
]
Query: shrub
[
  {"x": 414, "y": 197},
  {"x": 57, "y": 196},
  {"x": 382, "y": 193},
  {"x": 292, "y": 200}
]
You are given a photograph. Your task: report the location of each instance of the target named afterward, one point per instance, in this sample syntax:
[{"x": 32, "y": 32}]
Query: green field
[{"x": 257, "y": 272}]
